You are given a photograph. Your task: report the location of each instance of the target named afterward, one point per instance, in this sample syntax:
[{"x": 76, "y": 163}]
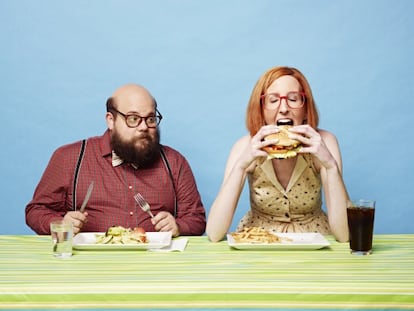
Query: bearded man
[{"x": 127, "y": 159}]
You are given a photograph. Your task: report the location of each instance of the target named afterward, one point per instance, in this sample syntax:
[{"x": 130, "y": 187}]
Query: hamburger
[{"x": 285, "y": 147}]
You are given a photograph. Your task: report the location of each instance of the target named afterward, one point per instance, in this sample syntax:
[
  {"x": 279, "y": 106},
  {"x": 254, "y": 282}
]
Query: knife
[{"x": 88, "y": 195}]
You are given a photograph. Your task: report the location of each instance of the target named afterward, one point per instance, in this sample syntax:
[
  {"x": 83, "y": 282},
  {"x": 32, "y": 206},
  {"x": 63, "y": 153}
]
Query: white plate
[
  {"x": 290, "y": 241},
  {"x": 87, "y": 240}
]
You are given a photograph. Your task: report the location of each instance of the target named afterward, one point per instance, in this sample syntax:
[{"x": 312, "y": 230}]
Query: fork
[{"x": 143, "y": 204}]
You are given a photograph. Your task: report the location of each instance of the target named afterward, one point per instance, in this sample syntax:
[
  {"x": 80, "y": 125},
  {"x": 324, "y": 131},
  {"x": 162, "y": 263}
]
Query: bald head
[
  {"x": 134, "y": 142},
  {"x": 130, "y": 89},
  {"x": 129, "y": 96}
]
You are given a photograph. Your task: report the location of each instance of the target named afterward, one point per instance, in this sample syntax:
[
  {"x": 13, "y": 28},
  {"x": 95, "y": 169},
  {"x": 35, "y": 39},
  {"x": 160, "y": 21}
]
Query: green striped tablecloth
[{"x": 208, "y": 275}]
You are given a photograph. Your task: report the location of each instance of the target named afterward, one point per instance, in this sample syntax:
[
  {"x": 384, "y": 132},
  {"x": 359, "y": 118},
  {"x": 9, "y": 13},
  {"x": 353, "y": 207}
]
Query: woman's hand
[
  {"x": 313, "y": 143},
  {"x": 254, "y": 149}
]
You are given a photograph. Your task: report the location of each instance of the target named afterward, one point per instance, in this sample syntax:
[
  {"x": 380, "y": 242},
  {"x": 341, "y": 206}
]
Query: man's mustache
[{"x": 141, "y": 137}]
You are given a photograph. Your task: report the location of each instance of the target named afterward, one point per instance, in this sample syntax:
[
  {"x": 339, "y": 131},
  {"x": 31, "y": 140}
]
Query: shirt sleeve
[
  {"x": 191, "y": 217},
  {"x": 52, "y": 196}
]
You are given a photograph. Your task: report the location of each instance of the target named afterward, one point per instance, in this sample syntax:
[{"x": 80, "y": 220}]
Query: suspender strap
[
  {"x": 167, "y": 165},
  {"x": 75, "y": 177},
  {"x": 78, "y": 165}
]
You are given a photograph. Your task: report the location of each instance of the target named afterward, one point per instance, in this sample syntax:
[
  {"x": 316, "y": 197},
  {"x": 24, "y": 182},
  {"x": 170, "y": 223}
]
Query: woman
[{"x": 285, "y": 194}]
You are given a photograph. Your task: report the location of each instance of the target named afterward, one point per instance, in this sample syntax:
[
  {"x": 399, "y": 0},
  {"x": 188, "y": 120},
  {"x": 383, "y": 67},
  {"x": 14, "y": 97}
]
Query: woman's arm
[
  {"x": 223, "y": 208},
  {"x": 336, "y": 196},
  {"x": 241, "y": 161},
  {"x": 324, "y": 148}
]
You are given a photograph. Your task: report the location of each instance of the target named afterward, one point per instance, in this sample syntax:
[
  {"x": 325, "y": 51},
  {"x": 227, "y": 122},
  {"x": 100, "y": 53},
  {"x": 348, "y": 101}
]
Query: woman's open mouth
[{"x": 284, "y": 122}]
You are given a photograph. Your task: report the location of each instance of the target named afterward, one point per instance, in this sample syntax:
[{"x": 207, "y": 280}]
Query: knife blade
[{"x": 86, "y": 199}]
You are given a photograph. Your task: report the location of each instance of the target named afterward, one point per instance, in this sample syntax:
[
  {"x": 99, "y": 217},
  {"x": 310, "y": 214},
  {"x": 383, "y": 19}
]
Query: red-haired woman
[{"x": 285, "y": 194}]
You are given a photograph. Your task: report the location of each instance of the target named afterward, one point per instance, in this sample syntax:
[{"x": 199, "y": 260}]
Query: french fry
[{"x": 255, "y": 235}]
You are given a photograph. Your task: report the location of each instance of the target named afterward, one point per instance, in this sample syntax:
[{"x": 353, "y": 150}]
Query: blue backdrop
[{"x": 60, "y": 60}]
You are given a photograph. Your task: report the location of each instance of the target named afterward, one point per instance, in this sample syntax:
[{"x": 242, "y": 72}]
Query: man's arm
[
  {"x": 191, "y": 216},
  {"x": 50, "y": 196}
]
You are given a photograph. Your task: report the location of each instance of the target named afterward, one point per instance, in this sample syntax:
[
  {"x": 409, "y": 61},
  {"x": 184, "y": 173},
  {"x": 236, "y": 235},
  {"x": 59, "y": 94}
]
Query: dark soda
[{"x": 361, "y": 226}]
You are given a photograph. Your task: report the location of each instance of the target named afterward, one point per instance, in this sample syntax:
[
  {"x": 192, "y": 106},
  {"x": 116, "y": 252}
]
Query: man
[{"x": 128, "y": 159}]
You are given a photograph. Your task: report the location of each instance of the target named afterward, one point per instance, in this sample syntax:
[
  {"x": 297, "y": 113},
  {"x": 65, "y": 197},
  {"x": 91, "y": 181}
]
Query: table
[{"x": 208, "y": 275}]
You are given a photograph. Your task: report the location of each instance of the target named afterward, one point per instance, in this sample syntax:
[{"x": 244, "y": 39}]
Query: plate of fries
[{"x": 258, "y": 238}]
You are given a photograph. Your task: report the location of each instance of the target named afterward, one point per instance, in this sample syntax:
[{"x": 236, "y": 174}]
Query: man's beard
[{"x": 141, "y": 156}]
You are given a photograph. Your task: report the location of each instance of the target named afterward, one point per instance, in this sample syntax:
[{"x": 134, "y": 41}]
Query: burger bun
[{"x": 285, "y": 147}]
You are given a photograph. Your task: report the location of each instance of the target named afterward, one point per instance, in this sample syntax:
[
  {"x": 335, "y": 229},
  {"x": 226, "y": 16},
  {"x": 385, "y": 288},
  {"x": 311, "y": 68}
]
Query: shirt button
[
  {"x": 129, "y": 187},
  {"x": 131, "y": 213}
]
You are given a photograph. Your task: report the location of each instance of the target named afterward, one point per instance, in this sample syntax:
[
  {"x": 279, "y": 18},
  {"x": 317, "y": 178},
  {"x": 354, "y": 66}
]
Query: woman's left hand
[{"x": 312, "y": 143}]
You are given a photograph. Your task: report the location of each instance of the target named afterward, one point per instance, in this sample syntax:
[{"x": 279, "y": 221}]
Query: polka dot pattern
[{"x": 295, "y": 209}]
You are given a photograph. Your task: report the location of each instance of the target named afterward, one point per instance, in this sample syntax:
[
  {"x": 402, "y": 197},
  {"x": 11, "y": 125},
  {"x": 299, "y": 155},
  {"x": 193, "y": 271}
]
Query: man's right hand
[{"x": 77, "y": 219}]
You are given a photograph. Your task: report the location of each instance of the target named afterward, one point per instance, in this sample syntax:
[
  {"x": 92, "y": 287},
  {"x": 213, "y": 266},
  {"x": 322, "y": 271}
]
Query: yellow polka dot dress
[{"x": 298, "y": 208}]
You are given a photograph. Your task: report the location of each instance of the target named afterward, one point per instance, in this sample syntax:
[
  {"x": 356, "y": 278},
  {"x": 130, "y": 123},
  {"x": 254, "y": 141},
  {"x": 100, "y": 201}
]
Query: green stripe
[{"x": 208, "y": 275}]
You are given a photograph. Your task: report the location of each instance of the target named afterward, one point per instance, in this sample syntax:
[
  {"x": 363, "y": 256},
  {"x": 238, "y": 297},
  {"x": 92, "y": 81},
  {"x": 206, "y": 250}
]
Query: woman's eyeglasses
[{"x": 272, "y": 101}]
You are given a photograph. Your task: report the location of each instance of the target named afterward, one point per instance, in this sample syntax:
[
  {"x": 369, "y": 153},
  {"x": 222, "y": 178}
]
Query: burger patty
[{"x": 275, "y": 147}]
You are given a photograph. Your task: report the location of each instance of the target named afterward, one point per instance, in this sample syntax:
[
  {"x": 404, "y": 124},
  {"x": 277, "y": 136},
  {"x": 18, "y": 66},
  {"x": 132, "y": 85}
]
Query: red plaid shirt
[{"x": 112, "y": 200}]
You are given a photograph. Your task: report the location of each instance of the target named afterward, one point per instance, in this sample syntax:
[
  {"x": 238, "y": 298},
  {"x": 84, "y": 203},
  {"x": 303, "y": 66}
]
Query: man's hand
[
  {"x": 164, "y": 222},
  {"x": 77, "y": 219}
]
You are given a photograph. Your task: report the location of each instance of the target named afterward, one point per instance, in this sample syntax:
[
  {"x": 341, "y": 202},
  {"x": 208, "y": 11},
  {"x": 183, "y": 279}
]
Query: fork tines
[
  {"x": 143, "y": 203},
  {"x": 140, "y": 199}
]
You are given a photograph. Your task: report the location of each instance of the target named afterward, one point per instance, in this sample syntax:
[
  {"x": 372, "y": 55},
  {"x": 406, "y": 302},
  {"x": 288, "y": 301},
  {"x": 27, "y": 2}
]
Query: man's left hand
[{"x": 165, "y": 222}]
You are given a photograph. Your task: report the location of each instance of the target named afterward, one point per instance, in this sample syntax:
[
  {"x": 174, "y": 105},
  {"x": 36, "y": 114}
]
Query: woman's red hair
[{"x": 254, "y": 116}]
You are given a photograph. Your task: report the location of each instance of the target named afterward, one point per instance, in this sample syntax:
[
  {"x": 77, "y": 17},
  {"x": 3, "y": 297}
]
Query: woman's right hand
[{"x": 254, "y": 148}]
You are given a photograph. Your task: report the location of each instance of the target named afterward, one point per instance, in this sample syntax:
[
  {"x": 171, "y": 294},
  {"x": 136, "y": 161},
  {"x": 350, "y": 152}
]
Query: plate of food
[
  {"x": 260, "y": 239},
  {"x": 120, "y": 238}
]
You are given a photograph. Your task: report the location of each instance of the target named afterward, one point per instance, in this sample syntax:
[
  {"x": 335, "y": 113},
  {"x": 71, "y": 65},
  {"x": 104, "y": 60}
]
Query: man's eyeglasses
[
  {"x": 272, "y": 101},
  {"x": 134, "y": 120}
]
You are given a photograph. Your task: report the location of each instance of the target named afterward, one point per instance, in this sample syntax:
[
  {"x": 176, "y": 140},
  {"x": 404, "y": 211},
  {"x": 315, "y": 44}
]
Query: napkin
[{"x": 177, "y": 245}]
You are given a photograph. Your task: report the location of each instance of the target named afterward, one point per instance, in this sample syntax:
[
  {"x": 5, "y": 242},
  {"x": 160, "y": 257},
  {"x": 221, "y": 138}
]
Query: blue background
[{"x": 60, "y": 60}]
